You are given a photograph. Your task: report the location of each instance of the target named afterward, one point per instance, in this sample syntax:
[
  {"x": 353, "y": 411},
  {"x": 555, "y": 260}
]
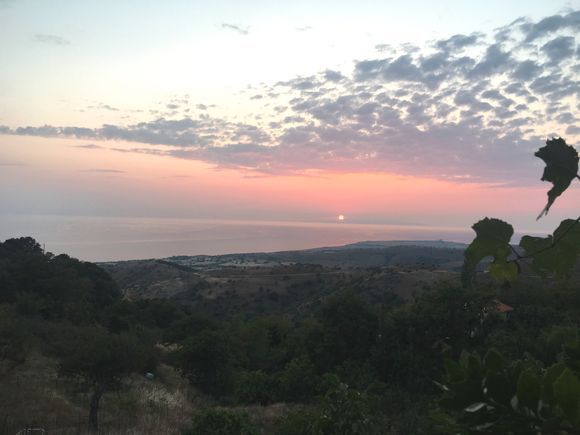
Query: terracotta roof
[{"x": 502, "y": 308}]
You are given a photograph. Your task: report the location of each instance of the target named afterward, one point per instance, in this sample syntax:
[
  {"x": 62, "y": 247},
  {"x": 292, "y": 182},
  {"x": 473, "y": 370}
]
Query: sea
[{"x": 122, "y": 238}]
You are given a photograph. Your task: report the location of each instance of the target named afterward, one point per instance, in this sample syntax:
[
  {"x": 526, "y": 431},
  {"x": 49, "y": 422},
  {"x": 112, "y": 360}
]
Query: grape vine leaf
[
  {"x": 529, "y": 389},
  {"x": 561, "y": 168},
  {"x": 492, "y": 240},
  {"x": 557, "y": 253},
  {"x": 567, "y": 394}
]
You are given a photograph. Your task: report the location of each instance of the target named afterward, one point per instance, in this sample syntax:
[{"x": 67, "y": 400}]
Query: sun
[{"x": 341, "y": 217}]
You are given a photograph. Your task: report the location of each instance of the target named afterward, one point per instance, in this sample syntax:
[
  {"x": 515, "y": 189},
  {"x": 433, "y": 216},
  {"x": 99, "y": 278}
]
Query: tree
[
  {"x": 349, "y": 330},
  {"x": 207, "y": 360},
  {"x": 13, "y": 336},
  {"x": 102, "y": 360}
]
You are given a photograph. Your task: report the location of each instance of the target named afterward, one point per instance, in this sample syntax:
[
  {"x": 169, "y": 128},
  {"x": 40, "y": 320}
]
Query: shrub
[
  {"x": 256, "y": 387},
  {"x": 221, "y": 422}
]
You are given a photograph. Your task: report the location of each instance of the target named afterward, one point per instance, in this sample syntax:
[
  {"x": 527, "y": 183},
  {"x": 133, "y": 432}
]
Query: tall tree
[{"x": 103, "y": 360}]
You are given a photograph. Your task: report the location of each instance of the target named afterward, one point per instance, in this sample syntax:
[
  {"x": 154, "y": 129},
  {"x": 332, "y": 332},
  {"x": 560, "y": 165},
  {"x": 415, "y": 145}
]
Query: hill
[{"x": 291, "y": 282}]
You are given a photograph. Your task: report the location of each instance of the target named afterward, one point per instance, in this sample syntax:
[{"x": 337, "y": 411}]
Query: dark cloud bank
[{"x": 465, "y": 108}]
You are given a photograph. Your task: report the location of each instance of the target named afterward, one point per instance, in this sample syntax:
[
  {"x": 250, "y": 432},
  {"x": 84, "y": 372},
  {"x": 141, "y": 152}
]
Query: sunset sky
[{"x": 394, "y": 112}]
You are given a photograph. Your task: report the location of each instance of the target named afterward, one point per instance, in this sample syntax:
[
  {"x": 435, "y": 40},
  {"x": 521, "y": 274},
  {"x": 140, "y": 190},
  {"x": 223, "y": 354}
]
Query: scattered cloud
[
  {"x": 103, "y": 171},
  {"x": 90, "y": 146},
  {"x": 239, "y": 29},
  {"x": 51, "y": 39},
  {"x": 102, "y": 106},
  {"x": 465, "y": 108}
]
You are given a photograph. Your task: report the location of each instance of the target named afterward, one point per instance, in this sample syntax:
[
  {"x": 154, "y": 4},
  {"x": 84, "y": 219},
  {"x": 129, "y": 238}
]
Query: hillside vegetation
[{"x": 337, "y": 351}]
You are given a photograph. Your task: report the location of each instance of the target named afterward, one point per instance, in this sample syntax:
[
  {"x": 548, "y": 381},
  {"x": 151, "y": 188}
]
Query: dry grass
[{"x": 32, "y": 396}]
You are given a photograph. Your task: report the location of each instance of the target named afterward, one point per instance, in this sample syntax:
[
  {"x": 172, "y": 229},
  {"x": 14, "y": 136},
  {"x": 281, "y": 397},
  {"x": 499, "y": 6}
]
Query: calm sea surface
[{"x": 107, "y": 238}]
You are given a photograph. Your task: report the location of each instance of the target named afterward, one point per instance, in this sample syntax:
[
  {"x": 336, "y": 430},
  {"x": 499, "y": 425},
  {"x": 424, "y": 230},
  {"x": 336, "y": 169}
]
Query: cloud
[
  {"x": 102, "y": 106},
  {"x": 103, "y": 171},
  {"x": 90, "y": 146},
  {"x": 465, "y": 108},
  {"x": 560, "y": 48},
  {"x": 236, "y": 28},
  {"x": 51, "y": 39},
  {"x": 526, "y": 70},
  {"x": 550, "y": 25}
]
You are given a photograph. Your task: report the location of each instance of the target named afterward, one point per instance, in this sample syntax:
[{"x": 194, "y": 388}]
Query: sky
[{"x": 394, "y": 112}]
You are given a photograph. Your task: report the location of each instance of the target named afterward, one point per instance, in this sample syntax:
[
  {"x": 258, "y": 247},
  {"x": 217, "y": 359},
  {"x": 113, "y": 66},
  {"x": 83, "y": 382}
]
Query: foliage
[
  {"x": 298, "y": 382},
  {"x": 13, "y": 338},
  {"x": 101, "y": 358},
  {"x": 298, "y": 422},
  {"x": 552, "y": 255},
  {"x": 256, "y": 387},
  {"x": 207, "y": 359},
  {"x": 221, "y": 422},
  {"x": 412, "y": 339},
  {"x": 561, "y": 168},
  {"x": 54, "y": 287},
  {"x": 342, "y": 411},
  {"x": 349, "y": 330},
  {"x": 551, "y": 258},
  {"x": 495, "y": 395},
  {"x": 492, "y": 239}
]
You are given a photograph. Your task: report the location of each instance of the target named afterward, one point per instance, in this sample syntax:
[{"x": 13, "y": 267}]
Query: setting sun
[{"x": 340, "y": 217}]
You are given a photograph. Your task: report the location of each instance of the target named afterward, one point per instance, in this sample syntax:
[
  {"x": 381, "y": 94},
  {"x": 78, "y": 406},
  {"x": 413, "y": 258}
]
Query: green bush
[
  {"x": 301, "y": 422},
  {"x": 299, "y": 380},
  {"x": 494, "y": 395},
  {"x": 221, "y": 422},
  {"x": 342, "y": 411},
  {"x": 256, "y": 387}
]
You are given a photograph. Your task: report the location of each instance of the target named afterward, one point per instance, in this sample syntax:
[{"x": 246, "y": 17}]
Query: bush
[
  {"x": 299, "y": 381},
  {"x": 342, "y": 411},
  {"x": 256, "y": 387},
  {"x": 221, "y": 422},
  {"x": 300, "y": 422},
  {"x": 345, "y": 411}
]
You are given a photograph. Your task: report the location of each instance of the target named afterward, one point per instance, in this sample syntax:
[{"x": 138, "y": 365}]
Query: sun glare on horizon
[{"x": 340, "y": 217}]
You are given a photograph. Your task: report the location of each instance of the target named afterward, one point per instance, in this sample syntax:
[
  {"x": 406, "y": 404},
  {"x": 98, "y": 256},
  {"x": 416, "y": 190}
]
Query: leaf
[
  {"x": 561, "y": 168},
  {"x": 493, "y": 360},
  {"x": 474, "y": 407},
  {"x": 466, "y": 393},
  {"x": 499, "y": 388},
  {"x": 555, "y": 254},
  {"x": 550, "y": 377},
  {"x": 528, "y": 390},
  {"x": 567, "y": 394},
  {"x": 455, "y": 372},
  {"x": 491, "y": 240},
  {"x": 504, "y": 271}
]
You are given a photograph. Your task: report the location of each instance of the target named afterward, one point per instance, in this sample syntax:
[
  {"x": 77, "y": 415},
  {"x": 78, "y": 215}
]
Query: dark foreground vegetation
[{"x": 350, "y": 368}]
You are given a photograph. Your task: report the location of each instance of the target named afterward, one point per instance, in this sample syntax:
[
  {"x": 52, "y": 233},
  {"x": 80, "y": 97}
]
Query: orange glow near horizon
[{"x": 142, "y": 184}]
